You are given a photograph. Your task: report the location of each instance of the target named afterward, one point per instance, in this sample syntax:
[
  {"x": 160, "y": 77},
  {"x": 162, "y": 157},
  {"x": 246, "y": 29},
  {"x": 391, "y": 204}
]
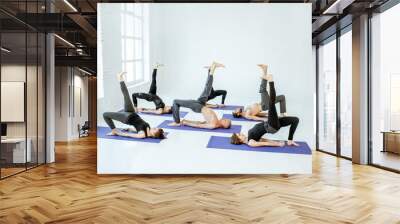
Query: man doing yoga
[
  {"x": 152, "y": 96},
  {"x": 272, "y": 125},
  {"x": 214, "y": 94},
  {"x": 199, "y": 106},
  {"x": 130, "y": 117},
  {"x": 255, "y": 111}
]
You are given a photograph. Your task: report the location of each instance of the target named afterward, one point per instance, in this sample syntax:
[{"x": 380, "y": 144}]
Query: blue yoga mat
[
  {"x": 232, "y": 129},
  {"x": 219, "y": 142},
  {"x": 230, "y": 117},
  {"x": 228, "y": 107},
  {"x": 182, "y": 114},
  {"x": 102, "y": 133}
]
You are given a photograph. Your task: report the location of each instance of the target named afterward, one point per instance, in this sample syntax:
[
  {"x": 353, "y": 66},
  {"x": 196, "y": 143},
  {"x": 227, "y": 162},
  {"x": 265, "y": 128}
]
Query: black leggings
[
  {"x": 274, "y": 123},
  {"x": 151, "y": 96},
  {"x": 216, "y": 93},
  {"x": 265, "y": 98}
]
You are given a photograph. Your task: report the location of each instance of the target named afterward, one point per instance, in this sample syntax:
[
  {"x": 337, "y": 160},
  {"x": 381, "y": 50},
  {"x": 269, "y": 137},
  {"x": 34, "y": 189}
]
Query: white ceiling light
[
  {"x": 70, "y": 5},
  {"x": 338, "y": 6},
  {"x": 65, "y": 41},
  {"x": 84, "y": 71},
  {"x": 5, "y": 50}
]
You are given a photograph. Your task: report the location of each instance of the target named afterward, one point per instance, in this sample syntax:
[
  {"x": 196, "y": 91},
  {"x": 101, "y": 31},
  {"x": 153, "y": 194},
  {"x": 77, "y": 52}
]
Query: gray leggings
[
  {"x": 124, "y": 116},
  {"x": 194, "y": 105},
  {"x": 265, "y": 98}
]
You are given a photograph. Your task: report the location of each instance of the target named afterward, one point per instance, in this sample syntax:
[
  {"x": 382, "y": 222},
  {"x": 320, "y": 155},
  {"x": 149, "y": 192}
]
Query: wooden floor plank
[{"x": 70, "y": 191}]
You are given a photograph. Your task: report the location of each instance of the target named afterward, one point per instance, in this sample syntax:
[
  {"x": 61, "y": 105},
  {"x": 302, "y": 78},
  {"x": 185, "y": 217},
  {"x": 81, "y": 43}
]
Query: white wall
[
  {"x": 185, "y": 37},
  {"x": 67, "y": 115}
]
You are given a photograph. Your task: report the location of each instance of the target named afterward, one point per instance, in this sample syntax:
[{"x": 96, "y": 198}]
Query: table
[
  {"x": 15, "y": 148},
  {"x": 391, "y": 141}
]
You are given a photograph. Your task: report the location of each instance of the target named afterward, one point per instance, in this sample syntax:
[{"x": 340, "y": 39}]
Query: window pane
[
  {"x": 138, "y": 9},
  {"x": 139, "y": 70},
  {"x": 129, "y": 68},
  {"x": 138, "y": 49},
  {"x": 346, "y": 93},
  {"x": 138, "y": 28},
  {"x": 129, "y": 25},
  {"x": 129, "y": 49},
  {"x": 385, "y": 89},
  {"x": 327, "y": 97}
]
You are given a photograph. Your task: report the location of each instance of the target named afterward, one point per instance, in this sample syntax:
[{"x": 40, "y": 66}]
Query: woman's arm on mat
[
  {"x": 253, "y": 143},
  {"x": 198, "y": 124},
  {"x": 131, "y": 135},
  {"x": 255, "y": 118},
  {"x": 214, "y": 105}
]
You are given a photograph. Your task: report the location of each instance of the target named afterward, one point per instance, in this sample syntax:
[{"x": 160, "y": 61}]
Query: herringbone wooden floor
[{"x": 70, "y": 191}]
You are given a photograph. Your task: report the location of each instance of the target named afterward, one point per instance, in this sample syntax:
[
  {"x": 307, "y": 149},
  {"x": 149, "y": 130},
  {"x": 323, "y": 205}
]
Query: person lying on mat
[
  {"x": 199, "y": 106},
  {"x": 214, "y": 94},
  {"x": 130, "y": 117},
  {"x": 255, "y": 111},
  {"x": 152, "y": 96},
  {"x": 272, "y": 125}
]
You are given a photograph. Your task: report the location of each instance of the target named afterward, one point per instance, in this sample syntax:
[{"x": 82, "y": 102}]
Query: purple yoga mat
[
  {"x": 219, "y": 142},
  {"x": 232, "y": 129},
  {"x": 182, "y": 114},
  {"x": 102, "y": 133},
  {"x": 230, "y": 117},
  {"x": 228, "y": 107}
]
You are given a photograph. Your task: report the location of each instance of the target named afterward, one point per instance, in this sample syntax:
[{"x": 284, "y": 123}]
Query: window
[
  {"x": 385, "y": 89},
  {"x": 346, "y": 74},
  {"x": 327, "y": 96},
  {"x": 132, "y": 33}
]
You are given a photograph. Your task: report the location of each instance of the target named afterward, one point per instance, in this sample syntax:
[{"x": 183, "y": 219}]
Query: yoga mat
[
  {"x": 182, "y": 114},
  {"x": 102, "y": 133},
  {"x": 230, "y": 117},
  {"x": 219, "y": 142},
  {"x": 232, "y": 129},
  {"x": 228, "y": 107}
]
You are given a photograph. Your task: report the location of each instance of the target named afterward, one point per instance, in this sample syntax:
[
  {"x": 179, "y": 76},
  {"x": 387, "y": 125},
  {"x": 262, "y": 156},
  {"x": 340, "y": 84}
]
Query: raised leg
[
  {"x": 273, "y": 119},
  {"x": 207, "y": 90},
  {"x": 265, "y": 99},
  {"x": 128, "y": 106},
  {"x": 153, "y": 85}
]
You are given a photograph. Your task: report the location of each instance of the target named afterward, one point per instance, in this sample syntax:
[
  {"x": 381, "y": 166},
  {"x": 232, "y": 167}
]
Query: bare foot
[
  {"x": 215, "y": 65},
  {"x": 139, "y": 109},
  {"x": 121, "y": 76},
  {"x": 111, "y": 134},
  {"x": 174, "y": 124},
  {"x": 269, "y": 77},
  {"x": 221, "y": 105},
  {"x": 292, "y": 143},
  {"x": 264, "y": 67},
  {"x": 158, "y": 65},
  {"x": 281, "y": 144}
]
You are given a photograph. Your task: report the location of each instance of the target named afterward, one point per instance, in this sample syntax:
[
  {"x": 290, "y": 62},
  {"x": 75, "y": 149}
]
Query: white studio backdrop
[{"x": 185, "y": 37}]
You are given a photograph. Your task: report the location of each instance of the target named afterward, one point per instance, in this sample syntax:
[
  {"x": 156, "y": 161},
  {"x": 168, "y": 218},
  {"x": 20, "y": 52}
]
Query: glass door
[{"x": 327, "y": 96}]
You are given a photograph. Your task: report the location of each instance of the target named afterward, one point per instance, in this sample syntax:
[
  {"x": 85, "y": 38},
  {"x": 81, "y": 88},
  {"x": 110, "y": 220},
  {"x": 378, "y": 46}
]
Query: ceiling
[{"x": 76, "y": 21}]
